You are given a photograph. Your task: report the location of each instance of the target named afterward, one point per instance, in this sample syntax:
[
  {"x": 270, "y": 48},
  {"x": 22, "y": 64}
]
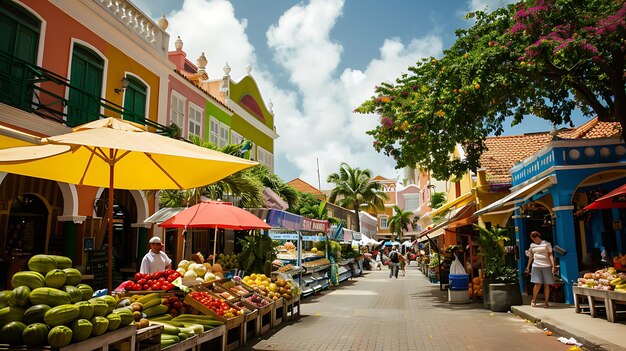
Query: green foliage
[
  {"x": 399, "y": 222},
  {"x": 437, "y": 199},
  {"x": 491, "y": 248},
  {"x": 354, "y": 189},
  {"x": 434, "y": 260},
  {"x": 537, "y": 57},
  {"x": 256, "y": 249}
]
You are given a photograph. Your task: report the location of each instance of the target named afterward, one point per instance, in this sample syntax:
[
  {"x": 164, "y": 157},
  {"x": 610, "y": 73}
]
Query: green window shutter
[
  {"x": 135, "y": 101},
  {"x": 86, "y": 82},
  {"x": 19, "y": 37}
]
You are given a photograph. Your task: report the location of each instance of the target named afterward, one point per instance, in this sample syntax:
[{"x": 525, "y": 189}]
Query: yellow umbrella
[{"x": 119, "y": 154}]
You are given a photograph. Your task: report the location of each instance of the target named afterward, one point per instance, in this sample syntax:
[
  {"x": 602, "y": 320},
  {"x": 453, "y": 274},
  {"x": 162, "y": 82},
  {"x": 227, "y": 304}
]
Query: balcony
[{"x": 35, "y": 90}]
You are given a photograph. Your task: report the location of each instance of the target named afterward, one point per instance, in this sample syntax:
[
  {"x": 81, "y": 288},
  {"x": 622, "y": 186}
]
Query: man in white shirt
[{"x": 155, "y": 260}]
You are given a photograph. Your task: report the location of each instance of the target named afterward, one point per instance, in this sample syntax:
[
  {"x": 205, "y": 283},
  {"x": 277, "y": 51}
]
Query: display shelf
[
  {"x": 294, "y": 271},
  {"x": 187, "y": 344},
  {"x": 149, "y": 338},
  {"x": 314, "y": 269},
  {"x": 211, "y": 336},
  {"x": 344, "y": 274}
]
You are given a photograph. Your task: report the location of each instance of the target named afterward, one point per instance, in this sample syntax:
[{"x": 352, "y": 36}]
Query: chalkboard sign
[{"x": 99, "y": 269}]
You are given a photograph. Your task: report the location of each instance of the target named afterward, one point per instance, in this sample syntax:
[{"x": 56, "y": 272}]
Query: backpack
[{"x": 393, "y": 256}]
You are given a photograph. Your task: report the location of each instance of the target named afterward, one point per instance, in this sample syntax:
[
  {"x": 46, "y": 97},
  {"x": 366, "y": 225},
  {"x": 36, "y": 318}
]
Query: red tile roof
[
  {"x": 505, "y": 151},
  {"x": 305, "y": 187}
]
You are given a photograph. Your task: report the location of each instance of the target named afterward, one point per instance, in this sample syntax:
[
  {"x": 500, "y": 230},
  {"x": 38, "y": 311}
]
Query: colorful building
[{"x": 67, "y": 63}]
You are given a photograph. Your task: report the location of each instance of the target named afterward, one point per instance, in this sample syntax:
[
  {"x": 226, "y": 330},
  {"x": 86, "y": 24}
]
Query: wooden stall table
[
  {"x": 234, "y": 326},
  {"x": 187, "y": 344},
  {"x": 278, "y": 312},
  {"x": 249, "y": 326},
  {"x": 207, "y": 339},
  {"x": 610, "y": 301},
  {"x": 292, "y": 309},
  {"x": 149, "y": 338}
]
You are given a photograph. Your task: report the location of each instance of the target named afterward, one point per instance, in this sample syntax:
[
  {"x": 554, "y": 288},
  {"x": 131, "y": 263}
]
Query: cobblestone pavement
[{"x": 374, "y": 312}]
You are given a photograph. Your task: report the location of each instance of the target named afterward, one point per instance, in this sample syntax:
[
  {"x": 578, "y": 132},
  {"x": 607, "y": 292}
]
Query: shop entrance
[{"x": 28, "y": 221}]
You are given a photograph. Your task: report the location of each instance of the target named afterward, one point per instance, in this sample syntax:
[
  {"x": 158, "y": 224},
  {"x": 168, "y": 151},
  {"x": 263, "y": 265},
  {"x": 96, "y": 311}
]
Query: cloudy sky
[{"x": 316, "y": 60}]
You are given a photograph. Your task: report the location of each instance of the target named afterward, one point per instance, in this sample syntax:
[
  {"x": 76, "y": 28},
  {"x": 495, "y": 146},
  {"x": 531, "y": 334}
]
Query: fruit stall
[{"x": 605, "y": 288}]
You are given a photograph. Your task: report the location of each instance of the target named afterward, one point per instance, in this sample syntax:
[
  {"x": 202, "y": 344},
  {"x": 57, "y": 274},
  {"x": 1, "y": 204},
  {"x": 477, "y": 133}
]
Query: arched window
[
  {"x": 19, "y": 38},
  {"x": 135, "y": 97},
  {"x": 86, "y": 79}
]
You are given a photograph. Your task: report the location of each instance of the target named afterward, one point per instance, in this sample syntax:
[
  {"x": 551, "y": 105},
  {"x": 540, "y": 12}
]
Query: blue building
[{"x": 550, "y": 189}]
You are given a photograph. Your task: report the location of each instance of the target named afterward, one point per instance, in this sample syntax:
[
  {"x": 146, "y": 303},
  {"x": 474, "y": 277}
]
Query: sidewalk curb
[{"x": 588, "y": 341}]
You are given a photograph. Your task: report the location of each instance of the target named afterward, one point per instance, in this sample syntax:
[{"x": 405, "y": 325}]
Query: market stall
[{"x": 605, "y": 288}]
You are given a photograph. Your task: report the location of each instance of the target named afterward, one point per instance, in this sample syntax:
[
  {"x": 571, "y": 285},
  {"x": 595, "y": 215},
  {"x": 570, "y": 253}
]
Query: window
[
  {"x": 135, "y": 96},
  {"x": 195, "y": 120},
  {"x": 223, "y": 135},
  {"x": 19, "y": 37},
  {"x": 265, "y": 158},
  {"x": 411, "y": 202},
  {"x": 86, "y": 76},
  {"x": 177, "y": 110},
  {"x": 383, "y": 222},
  {"x": 218, "y": 134},
  {"x": 214, "y": 127},
  {"x": 235, "y": 138}
]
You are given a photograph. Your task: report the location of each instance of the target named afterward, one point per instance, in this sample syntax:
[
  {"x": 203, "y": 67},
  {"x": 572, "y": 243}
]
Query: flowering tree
[{"x": 540, "y": 57}]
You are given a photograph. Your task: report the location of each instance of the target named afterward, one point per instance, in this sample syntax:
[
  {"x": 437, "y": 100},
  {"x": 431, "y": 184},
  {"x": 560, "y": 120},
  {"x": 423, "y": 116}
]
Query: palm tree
[
  {"x": 272, "y": 181},
  {"x": 355, "y": 190},
  {"x": 318, "y": 211},
  {"x": 399, "y": 222}
]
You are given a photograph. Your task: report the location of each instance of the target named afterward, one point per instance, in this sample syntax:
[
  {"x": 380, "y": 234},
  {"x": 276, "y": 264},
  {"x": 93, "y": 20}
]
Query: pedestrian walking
[
  {"x": 394, "y": 261},
  {"x": 403, "y": 260},
  {"x": 542, "y": 260}
]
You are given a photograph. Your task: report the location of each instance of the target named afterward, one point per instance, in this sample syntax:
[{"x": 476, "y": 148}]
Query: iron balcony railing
[{"x": 37, "y": 90}]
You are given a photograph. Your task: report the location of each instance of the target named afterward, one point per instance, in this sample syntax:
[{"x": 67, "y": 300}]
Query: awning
[
  {"x": 458, "y": 218},
  {"x": 614, "y": 199},
  {"x": 520, "y": 195},
  {"x": 163, "y": 215},
  {"x": 10, "y": 137},
  {"x": 447, "y": 205}
]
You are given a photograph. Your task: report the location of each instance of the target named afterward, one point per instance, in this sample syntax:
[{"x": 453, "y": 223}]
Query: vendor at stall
[{"x": 155, "y": 260}]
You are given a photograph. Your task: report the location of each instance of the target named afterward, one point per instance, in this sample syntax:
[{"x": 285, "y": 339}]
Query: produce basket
[
  {"x": 238, "y": 289},
  {"x": 198, "y": 306},
  {"x": 248, "y": 302}
]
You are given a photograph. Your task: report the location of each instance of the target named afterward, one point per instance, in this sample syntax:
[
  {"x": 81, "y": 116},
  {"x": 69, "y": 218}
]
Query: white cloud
[
  {"x": 314, "y": 120},
  {"x": 487, "y": 5}
]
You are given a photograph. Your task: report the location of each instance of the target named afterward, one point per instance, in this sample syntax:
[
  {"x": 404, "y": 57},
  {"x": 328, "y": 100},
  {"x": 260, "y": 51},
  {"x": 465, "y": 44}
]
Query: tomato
[
  {"x": 156, "y": 286},
  {"x": 161, "y": 280},
  {"x": 141, "y": 281},
  {"x": 146, "y": 287},
  {"x": 157, "y": 275},
  {"x": 171, "y": 278}
]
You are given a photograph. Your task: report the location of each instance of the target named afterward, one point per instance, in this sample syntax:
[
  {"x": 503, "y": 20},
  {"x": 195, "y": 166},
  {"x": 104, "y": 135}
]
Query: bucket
[{"x": 458, "y": 281}]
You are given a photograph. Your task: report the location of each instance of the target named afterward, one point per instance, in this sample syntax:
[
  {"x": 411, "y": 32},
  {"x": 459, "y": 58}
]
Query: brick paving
[{"x": 374, "y": 312}]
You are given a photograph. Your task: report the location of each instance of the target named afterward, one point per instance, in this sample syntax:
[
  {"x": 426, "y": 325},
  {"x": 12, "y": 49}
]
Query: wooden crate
[
  {"x": 187, "y": 344},
  {"x": 103, "y": 342},
  {"x": 149, "y": 338},
  {"x": 278, "y": 312},
  {"x": 292, "y": 308},
  {"x": 249, "y": 325},
  {"x": 214, "y": 339},
  {"x": 220, "y": 285},
  {"x": 209, "y": 312},
  {"x": 264, "y": 321}
]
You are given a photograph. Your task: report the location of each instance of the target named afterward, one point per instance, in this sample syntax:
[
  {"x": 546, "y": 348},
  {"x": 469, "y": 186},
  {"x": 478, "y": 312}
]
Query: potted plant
[{"x": 501, "y": 282}]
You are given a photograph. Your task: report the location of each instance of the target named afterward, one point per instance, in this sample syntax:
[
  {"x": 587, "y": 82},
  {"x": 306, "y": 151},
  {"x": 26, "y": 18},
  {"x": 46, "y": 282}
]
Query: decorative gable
[{"x": 250, "y": 104}]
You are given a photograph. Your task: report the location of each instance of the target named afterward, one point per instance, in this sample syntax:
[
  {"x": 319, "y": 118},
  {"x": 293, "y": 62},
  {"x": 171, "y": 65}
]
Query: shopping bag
[{"x": 457, "y": 267}]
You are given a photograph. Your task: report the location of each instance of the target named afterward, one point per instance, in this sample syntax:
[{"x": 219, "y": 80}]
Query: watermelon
[
  {"x": 35, "y": 334},
  {"x": 60, "y": 315},
  {"x": 114, "y": 321},
  {"x": 49, "y": 296},
  {"x": 75, "y": 294},
  {"x": 11, "y": 314},
  {"x": 42, "y": 264},
  {"x": 86, "y": 290},
  {"x": 30, "y": 279},
  {"x": 100, "y": 307},
  {"x": 81, "y": 329},
  {"x": 60, "y": 336},
  {"x": 85, "y": 309},
  {"x": 34, "y": 314},
  {"x": 11, "y": 333},
  {"x": 73, "y": 276},
  {"x": 55, "y": 278},
  {"x": 20, "y": 296},
  {"x": 4, "y": 298},
  {"x": 100, "y": 325}
]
